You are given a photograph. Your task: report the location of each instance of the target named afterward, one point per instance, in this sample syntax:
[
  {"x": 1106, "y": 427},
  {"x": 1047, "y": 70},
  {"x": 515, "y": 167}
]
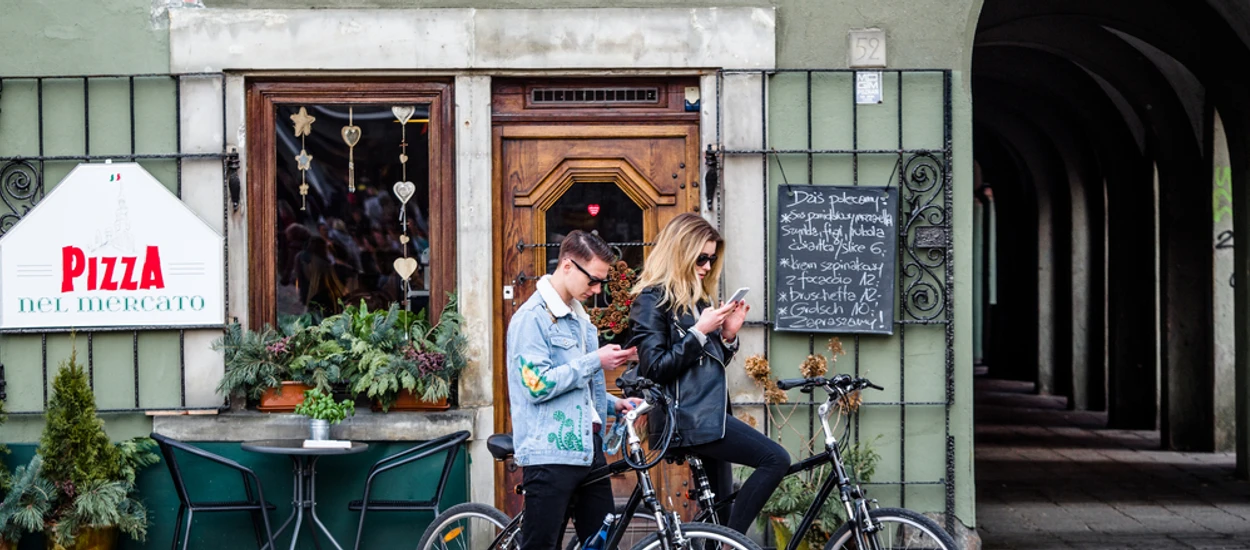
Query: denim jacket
[{"x": 555, "y": 383}]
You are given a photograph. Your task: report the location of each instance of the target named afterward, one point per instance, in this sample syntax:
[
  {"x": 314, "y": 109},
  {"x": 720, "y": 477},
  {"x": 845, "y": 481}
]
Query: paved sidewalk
[{"x": 1052, "y": 478}]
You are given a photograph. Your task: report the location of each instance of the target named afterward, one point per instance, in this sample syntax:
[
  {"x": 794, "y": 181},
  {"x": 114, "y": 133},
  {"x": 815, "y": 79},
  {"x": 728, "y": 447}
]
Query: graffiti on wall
[
  {"x": 1222, "y": 207},
  {"x": 1222, "y": 195}
]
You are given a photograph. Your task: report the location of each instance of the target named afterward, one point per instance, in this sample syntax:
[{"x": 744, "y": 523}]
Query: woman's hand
[
  {"x": 734, "y": 320},
  {"x": 712, "y": 318}
]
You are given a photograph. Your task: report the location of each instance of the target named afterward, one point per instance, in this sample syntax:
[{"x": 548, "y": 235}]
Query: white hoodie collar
[{"x": 555, "y": 304}]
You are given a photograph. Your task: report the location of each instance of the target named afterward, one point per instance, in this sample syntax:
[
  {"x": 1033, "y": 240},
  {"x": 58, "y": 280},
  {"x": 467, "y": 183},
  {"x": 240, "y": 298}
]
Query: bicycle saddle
[{"x": 500, "y": 446}]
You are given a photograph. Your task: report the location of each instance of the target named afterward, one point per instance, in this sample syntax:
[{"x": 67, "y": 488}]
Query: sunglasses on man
[{"x": 594, "y": 281}]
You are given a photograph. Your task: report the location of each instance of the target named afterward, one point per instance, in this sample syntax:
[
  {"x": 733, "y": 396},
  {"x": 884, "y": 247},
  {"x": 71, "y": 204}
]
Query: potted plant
[
  {"x": 396, "y": 357},
  {"x": 274, "y": 367},
  {"x": 88, "y": 482},
  {"x": 322, "y": 411}
]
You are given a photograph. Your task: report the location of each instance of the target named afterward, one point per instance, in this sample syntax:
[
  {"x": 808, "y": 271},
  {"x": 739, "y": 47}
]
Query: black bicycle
[
  {"x": 476, "y": 526},
  {"x": 867, "y": 527}
]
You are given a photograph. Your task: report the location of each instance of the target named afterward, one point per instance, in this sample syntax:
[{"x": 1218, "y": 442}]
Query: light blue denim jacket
[{"x": 555, "y": 382}]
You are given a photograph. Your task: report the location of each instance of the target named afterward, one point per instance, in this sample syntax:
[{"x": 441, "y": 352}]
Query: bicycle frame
[
  {"x": 668, "y": 524},
  {"x": 852, "y": 496}
]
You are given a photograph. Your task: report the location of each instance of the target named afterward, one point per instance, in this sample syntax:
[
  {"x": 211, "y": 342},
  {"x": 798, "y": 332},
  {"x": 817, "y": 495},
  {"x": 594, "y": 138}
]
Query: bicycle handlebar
[{"x": 843, "y": 382}]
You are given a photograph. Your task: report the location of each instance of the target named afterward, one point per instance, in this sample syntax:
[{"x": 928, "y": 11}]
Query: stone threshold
[{"x": 364, "y": 426}]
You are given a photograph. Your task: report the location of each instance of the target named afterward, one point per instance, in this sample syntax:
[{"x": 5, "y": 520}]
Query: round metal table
[{"x": 304, "y": 466}]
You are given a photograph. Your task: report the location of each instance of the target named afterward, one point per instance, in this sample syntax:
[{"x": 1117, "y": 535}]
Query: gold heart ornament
[
  {"x": 405, "y": 267},
  {"x": 351, "y": 135},
  {"x": 404, "y": 190}
]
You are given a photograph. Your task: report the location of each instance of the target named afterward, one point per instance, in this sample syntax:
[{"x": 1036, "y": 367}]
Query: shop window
[{"x": 323, "y": 190}]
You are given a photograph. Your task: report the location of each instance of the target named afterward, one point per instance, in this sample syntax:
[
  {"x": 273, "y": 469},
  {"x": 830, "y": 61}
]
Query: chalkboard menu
[{"x": 836, "y": 251}]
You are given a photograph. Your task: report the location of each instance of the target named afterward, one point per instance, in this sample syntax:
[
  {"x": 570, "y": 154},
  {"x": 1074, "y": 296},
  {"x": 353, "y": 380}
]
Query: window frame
[{"x": 262, "y": 210}]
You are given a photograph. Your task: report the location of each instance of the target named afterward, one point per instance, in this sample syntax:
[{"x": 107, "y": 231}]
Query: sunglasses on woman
[{"x": 704, "y": 259}]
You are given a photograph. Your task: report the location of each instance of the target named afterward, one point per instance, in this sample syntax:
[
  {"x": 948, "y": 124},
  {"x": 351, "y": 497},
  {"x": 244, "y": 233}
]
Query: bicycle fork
[{"x": 669, "y": 528}]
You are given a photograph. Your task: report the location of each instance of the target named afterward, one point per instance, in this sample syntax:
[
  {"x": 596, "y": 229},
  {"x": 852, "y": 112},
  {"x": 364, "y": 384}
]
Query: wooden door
[{"x": 623, "y": 179}]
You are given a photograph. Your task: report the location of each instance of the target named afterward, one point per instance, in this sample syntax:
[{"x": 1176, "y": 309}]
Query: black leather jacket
[{"x": 669, "y": 354}]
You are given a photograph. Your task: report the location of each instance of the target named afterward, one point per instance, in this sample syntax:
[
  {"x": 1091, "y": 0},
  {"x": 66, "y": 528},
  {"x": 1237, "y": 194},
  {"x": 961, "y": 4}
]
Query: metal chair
[
  {"x": 449, "y": 443},
  {"x": 256, "y": 505}
]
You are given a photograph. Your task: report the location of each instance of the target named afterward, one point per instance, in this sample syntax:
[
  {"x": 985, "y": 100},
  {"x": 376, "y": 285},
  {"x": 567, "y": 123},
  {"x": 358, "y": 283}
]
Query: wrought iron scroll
[
  {"x": 21, "y": 188},
  {"x": 922, "y": 222}
]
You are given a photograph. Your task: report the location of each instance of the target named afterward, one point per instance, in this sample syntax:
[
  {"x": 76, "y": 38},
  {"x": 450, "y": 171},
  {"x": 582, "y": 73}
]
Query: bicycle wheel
[
  {"x": 900, "y": 528},
  {"x": 703, "y": 536},
  {"x": 468, "y": 526}
]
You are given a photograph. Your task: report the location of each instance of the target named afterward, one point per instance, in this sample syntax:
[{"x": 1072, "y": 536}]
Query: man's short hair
[{"x": 583, "y": 245}]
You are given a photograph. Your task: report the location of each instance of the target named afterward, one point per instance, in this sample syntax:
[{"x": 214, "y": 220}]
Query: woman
[{"x": 685, "y": 343}]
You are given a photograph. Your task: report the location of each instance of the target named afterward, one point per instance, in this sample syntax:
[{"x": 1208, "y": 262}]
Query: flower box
[{"x": 292, "y": 394}]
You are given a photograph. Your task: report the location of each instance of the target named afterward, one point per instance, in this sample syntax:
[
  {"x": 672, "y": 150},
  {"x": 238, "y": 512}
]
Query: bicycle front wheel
[
  {"x": 469, "y": 526},
  {"x": 898, "y": 528},
  {"x": 703, "y": 536}
]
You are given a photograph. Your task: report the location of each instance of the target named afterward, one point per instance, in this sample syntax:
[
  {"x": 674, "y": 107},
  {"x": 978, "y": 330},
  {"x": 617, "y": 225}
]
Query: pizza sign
[{"x": 111, "y": 247}]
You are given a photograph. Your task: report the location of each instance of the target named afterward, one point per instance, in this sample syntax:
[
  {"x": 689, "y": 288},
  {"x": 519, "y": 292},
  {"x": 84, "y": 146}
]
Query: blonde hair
[{"x": 671, "y": 264}]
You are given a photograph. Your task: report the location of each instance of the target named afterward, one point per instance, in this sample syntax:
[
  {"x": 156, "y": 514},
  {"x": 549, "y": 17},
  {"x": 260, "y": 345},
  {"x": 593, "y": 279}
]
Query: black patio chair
[
  {"x": 449, "y": 443},
  {"x": 255, "y": 504}
]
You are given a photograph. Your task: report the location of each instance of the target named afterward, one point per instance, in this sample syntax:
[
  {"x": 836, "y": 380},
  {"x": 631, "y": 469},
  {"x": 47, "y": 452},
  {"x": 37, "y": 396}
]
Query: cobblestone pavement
[{"x": 1052, "y": 478}]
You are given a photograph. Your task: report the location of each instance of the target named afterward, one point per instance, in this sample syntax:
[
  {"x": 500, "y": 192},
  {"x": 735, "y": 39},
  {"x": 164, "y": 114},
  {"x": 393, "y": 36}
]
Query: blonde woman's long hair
[{"x": 671, "y": 264}]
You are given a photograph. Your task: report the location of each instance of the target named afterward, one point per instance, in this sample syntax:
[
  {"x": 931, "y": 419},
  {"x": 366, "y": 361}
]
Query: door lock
[{"x": 507, "y": 292}]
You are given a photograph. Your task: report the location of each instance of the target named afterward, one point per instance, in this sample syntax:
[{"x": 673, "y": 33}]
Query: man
[{"x": 558, "y": 396}]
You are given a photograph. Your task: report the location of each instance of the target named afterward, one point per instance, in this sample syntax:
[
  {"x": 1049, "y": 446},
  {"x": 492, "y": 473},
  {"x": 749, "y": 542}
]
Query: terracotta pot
[
  {"x": 5, "y": 545},
  {"x": 406, "y": 401},
  {"x": 91, "y": 538},
  {"x": 292, "y": 395}
]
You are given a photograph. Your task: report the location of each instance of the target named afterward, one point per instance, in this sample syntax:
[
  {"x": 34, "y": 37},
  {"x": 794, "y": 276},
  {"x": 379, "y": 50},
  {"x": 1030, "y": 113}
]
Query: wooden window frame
[{"x": 262, "y": 100}]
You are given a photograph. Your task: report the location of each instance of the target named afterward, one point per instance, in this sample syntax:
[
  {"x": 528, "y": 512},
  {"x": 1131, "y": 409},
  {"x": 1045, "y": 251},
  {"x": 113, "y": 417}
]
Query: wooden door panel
[
  {"x": 659, "y": 154},
  {"x": 656, "y": 167}
]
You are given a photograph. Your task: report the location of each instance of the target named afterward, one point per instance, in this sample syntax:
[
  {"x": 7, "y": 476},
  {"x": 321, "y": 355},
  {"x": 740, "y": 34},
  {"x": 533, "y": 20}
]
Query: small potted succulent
[{"x": 322, "y": 411}]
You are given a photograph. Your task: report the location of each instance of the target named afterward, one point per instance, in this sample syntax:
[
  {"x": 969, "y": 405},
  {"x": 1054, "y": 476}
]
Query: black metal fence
[
  {"x": 925, "y": 271},
  {"x": 50, "y": 124}
]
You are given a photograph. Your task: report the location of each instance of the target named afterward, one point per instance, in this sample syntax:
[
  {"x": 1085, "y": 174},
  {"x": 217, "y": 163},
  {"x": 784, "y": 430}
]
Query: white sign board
[
  {"x": 111, "y": 247},
  {"x": 868, "y": 87}
]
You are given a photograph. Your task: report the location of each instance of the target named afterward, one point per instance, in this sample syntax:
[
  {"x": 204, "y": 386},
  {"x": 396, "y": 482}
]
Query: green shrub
[{"x": 85, "y": 480}]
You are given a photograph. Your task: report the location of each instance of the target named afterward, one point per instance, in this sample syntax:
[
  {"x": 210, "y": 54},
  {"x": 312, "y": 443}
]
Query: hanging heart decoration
[
  {"x": 404, "y": 239},
  {"x": 404, "y": 190},
  {"x": 405, "y": 267},
  {"x": 593, "y": 209},
  {"x": 404, "y": 114},
  {"x": 351, "y": 135},
  {"x": 403, "y": 158}
]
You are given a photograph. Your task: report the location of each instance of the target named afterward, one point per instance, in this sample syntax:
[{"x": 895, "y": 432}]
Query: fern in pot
[
  {"x": 274, "y": 366},
  {"x": 396, "y": 355}
]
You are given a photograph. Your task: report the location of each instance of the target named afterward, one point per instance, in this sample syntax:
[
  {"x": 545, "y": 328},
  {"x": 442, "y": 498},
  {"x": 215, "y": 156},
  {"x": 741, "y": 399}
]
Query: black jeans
[
  {"x": 549, "y": 491},
  {"x": 743, "y": 445}
]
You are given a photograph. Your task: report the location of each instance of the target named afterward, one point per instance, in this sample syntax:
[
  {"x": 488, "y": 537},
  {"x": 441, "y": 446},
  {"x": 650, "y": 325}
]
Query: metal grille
[
  {"x": 925, "y": 275},
  {"x": 52, "y": 148},
  {"x": 548, "y": 96}
]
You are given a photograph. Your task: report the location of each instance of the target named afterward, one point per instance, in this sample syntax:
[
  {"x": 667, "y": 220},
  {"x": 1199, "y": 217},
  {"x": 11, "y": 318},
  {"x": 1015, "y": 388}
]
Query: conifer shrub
[{"x": 90, "y": 481}]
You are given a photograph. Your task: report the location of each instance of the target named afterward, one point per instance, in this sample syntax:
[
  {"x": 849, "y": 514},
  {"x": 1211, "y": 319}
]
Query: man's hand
[
  {"x": 613, "y": 356},
  {"x": 627, "y": 404}
]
